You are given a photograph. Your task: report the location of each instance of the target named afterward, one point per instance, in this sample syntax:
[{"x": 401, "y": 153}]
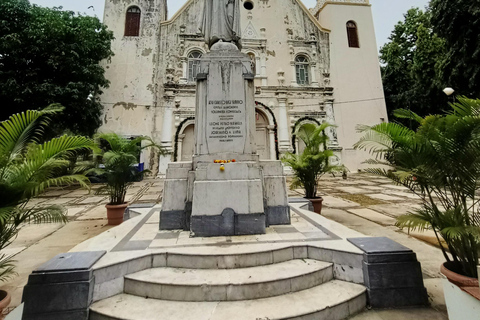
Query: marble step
[
  {"x": 334, "y": 300},
  {"x": 229, "y": 258},
  {"x": 228, "y": 284}
]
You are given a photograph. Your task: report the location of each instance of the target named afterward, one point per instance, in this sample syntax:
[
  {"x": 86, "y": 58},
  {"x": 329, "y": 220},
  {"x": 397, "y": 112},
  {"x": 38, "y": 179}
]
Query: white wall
[
  {"x": 130, "y": 100},
  {"x": 355, "y": 75}
]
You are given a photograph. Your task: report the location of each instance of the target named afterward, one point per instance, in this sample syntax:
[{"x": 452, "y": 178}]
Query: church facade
[{"x": 310, "y": 65}]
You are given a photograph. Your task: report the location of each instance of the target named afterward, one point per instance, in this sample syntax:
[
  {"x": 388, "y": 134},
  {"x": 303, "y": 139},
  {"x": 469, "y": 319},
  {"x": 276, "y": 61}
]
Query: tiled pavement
[
  {"x": 36, "y": 244},
  {"x": 147, "y": 236},
  {"x": 363, "y": 203}
]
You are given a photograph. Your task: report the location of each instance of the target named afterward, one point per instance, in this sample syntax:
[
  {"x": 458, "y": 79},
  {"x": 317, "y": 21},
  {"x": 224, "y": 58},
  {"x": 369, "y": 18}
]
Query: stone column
[
  {"x": 263, "y": 57},
  {"x": 184, "y": 78},
  {"x": 167, "y": 132},
  {"x": 294, "y": 75},
  {"x": 283, "y": 127},
  {"x": 313, "y": 70},
  {"x": 263, "y": 68},
  {"x": 271, "y": 134},
  {"x": 180, "y": 146},
  {"x": 332, "y": 131}
]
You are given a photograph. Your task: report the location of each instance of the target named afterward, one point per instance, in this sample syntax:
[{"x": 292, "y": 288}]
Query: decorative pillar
[
  {"x": 184, "y": 78},
  {"x": 283, "y": 134},
  {"x": 313, "y": 70},
  {"x": 180, "y": 147},
  {"x": 263, "y": 68},
  {"x": 271, "y": 134},
  {"x": 330, "y": 115},
  {"x": 294, "y": 74},
  {"x": 263, "y": 57},
  {"x": 167, "y": 132}
]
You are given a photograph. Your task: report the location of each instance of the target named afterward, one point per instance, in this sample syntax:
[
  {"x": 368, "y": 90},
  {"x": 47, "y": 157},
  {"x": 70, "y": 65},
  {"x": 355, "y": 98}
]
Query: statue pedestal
[{"x": 244, "y": 195}]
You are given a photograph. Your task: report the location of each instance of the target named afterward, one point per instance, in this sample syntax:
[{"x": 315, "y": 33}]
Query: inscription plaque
[{"x": 226, "y": 113}]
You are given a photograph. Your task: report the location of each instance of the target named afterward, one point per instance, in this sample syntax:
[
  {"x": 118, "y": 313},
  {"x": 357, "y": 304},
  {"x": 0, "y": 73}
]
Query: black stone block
[
  {"x": 392, "y": 275},
  {"x": 58, "y": 277},
  {"x": 214, "y": 226},
  {"x": 398, "y": 298},
  {"x": 188, "y": 215},
  {"x": 377, "y": 245},
  {"x": 228, "y": 224},
  {"x": 248, "y": 224},
  {"x": 67, "y": 315},
  {"x": 172, "y": 220},
  {"x": 62, "y": 288},
  {"x": 73, "y": 261},
  {"x": 390, "y": 257},
  {"x": 68, "y": 296},
  {"x": 278, "y": 215}
]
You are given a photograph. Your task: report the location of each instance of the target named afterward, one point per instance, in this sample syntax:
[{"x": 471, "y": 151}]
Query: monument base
[
  {"x": 226, "y": 190},
  {"x": 242, "y": 200}
]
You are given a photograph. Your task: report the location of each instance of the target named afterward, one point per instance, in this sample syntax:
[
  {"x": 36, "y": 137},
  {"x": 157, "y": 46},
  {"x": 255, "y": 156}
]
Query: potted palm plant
[
  {"x": 117, "y": 157},
  {"x": 27, "y": 168},
  {"x": 309, "y": 166},
  {"x": 440, "y": 162}
]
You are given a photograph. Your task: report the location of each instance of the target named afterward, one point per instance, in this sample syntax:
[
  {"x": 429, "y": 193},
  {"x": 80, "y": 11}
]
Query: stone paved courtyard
[{"x": 363, "y": 203}]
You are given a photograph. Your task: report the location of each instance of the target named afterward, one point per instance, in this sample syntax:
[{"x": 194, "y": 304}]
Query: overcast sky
[{"x": 386, "y": 13}]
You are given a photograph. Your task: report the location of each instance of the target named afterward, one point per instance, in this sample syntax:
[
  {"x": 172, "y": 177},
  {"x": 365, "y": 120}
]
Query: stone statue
[{"x": 221, "y": 22}]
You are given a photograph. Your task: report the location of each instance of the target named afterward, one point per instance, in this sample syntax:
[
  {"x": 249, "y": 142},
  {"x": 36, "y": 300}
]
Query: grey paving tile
[
  {"x": 136, "y": 245},
  {"x": 167, "y": 235},
  {"x": 285, "y": 229}
]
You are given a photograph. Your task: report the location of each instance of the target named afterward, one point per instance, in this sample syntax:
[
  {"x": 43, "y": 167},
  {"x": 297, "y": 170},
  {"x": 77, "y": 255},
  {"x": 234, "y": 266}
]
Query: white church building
[{"x": 311, "y": 66}]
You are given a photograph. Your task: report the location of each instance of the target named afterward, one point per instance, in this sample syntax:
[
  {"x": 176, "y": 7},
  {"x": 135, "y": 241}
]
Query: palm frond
[
  {"x": 7, "y": 268},
  {"x": 407, "y": 114},
  {"x": 440, "y": 161}
]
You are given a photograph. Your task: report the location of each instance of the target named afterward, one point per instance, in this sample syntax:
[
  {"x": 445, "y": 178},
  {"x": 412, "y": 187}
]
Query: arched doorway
[
  {"x": 301, "y": 145},
  {"x": 262, "y": 138},
  {"x": 188, "y": 143},
  {"x": 265, "y": 136},
  {"x": 297, "y": 144}
]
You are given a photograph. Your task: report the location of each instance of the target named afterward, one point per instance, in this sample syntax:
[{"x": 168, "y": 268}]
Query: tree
[
  {"x": 27, "y": 168},
  {"x": 119, "y": 156},
  {"x": 411, "y": 65},
  {"x": 458, "y": 22},
  {"x": 439, "y": 162},
  {"x": 52, "y": 56},
  {"x": 309, "y": 166}
]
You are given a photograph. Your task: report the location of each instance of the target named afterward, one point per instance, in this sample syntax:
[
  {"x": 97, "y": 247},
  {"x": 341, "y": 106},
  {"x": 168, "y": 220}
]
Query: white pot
[{"x": 460, "y": 305}]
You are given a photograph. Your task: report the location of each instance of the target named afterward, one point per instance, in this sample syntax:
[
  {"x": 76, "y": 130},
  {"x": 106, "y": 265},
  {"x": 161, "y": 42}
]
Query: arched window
[
  {"x": 302, "y": 66},
  {"x": 193, "y": 65},
  {"x": 352, "y": 34},
  {"x": 132, "y": 22},
  {"x": 254, "y": 62}
]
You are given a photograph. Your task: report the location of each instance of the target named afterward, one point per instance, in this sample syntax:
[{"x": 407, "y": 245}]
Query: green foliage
[
  {"x": 411, "y": 65},
  {"x": 27, "y": 168},
  {"x": 52, "y": 56},
  {"x": 458, "y": 22},
  {"x": 440, "y": 162},
  {"x": 118, "y": 157},
  {"x": 313, "y": 163}
]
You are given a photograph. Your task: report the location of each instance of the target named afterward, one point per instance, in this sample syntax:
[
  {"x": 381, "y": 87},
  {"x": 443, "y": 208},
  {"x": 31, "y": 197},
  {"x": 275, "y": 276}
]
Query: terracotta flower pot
[
  {"x": 115, "y": 213},
  {"x": 317, "y": 204},
  {"x": 455, "y": 278},
  {"x": 5, "y": 300}
]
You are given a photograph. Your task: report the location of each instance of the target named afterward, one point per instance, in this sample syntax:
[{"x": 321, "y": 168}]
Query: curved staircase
[{"x": 192, "y": 287}]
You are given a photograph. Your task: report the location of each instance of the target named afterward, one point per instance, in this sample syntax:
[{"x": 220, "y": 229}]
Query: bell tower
[
  {"x": 129, "y": 103},
  {"x": 354, "y": 71}
]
